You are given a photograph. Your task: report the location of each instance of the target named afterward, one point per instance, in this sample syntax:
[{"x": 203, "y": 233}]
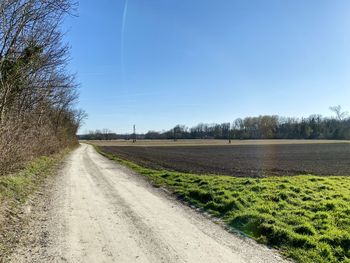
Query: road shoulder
[{"x": 24, "y": 212}]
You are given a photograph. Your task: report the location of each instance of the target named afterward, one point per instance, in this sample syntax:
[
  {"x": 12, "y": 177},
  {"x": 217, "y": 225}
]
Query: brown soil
[{"x": 243, "y": 160}]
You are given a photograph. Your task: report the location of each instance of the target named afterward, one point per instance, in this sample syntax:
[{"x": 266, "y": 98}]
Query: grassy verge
[
  {"x": 15, "y": 190},
  {"x": 306, "y": 217}
]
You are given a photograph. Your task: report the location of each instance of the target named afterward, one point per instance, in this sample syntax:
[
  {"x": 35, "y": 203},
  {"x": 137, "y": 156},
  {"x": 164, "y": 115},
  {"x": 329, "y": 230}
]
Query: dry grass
[
  {"x": 199, "y": 142},
  {"x": 15, "y": 189}
]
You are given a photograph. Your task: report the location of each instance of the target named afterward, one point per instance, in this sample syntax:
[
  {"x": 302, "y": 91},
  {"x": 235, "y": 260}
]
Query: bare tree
[
  {"x": 37, "y": 93},
  {"x": 340, "y": 115}
]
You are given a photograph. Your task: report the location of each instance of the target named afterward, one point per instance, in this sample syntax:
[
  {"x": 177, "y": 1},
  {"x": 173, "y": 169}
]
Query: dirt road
[{"x": 98, "y": 211}]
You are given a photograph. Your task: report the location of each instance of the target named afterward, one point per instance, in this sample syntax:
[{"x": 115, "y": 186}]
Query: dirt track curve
[{"x": 99, "y": 211}]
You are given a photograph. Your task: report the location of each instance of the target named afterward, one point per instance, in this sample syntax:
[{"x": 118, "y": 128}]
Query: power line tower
[{"x": 134, "y": 134}]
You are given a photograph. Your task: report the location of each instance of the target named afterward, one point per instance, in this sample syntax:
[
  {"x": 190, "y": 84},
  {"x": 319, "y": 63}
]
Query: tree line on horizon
[
  {"x": 37, "y": 93},
  {"x": 261, "y": 127}
]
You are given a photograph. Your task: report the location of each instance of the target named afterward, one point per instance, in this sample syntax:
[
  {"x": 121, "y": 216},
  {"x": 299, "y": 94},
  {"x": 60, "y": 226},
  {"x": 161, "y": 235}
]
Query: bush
[{"x": 22, "y": 142}]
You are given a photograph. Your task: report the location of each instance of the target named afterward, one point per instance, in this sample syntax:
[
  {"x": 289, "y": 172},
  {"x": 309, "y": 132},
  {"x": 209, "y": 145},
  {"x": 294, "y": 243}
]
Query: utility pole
[
  {"x": 229, "y": 134},
  {"x": 134, "y": 134}
]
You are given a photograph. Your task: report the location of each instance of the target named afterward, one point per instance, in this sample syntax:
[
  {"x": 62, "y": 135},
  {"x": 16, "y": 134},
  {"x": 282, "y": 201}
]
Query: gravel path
[{"x": 99, "y": 211}]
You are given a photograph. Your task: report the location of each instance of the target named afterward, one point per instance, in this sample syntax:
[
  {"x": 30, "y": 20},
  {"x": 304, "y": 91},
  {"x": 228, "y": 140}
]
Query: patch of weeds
[
  {"x": 15, "y": 190},
  {"x": 200, "y": 195},
  {"x": 305, "y": 229}
]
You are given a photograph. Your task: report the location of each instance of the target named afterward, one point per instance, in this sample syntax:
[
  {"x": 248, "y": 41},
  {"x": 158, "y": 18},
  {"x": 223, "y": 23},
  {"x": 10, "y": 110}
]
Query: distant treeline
[{"x": 261, "y": 127}]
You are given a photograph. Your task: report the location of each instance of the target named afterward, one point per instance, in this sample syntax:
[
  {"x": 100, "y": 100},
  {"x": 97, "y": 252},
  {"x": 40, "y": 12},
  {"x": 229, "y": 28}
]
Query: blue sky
[{"x": 185, "y": 62}]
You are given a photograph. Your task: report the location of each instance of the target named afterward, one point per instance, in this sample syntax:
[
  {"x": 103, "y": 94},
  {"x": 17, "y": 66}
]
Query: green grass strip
[
  {"x": 306, "y": 217},
  {"x": 15, "y": 190}
]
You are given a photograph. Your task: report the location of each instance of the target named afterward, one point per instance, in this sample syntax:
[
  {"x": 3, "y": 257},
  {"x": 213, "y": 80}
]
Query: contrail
[{"x": 122, "y": 38}]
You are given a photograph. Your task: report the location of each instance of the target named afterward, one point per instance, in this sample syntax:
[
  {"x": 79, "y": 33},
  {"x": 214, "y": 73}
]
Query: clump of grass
[
  {"x": 18, "y": 186},
  {"x": 15, "y": 190},
  {"x": 306, "y": 216}
]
